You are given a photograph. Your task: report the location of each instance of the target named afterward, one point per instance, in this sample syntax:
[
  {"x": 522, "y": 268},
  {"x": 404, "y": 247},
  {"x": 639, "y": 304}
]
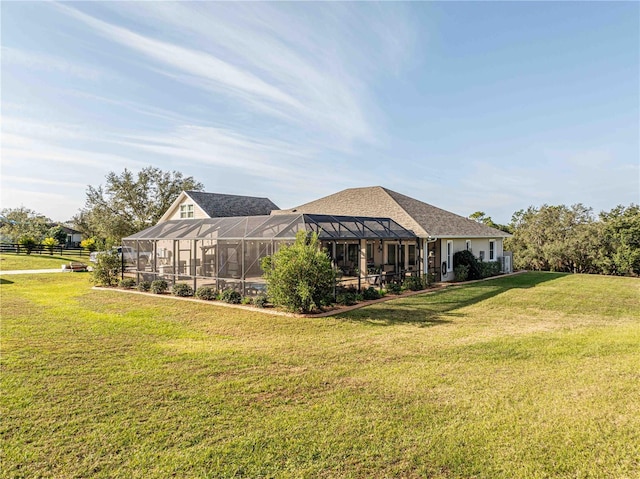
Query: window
[
  {"x": 186, "y": 211},
  {"x": 492, "y": 250},
  {"x": 468, "y": 245},
  {"x": 391, "y": 254},
  {"x": 412, "y": 254},
  {"x": 369, "y": 252},
  {"x": 449, "y": 255}
]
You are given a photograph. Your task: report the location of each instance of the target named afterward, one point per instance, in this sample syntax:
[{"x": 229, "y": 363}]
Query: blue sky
[{"x": 467, "y": 106}]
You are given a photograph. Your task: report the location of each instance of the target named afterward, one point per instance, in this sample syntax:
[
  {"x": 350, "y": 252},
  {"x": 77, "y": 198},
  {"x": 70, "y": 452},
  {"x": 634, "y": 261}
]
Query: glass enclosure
[{"x": 225, "y": 253}]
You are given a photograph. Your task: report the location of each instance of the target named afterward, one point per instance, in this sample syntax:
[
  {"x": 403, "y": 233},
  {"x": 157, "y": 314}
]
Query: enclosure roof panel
[{"x": 285, "y": 226}]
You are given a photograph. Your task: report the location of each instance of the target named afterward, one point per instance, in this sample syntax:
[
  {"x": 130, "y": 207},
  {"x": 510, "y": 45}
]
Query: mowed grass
[
  {"x": 531, "y": 376},
  {"x": 11, "y": 261}
]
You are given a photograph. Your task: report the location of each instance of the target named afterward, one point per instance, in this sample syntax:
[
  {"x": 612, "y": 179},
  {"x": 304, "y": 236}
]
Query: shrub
[
  {"x": 260, "y": 301},
  {"x": 460, "y": 272},
  {"x": 49, "y": 244},
  {"x": 490, "y": 268},
  {"x": 127, "y": 283},
  {"x": 346, "y": 299},
  {"x": 247, "y": 300},
  {"x": 299, "y": 277},
  {"x": 231, "y": 296},
  {"x": 159, "y": 286},
  {"x": 394, "y": 288},
  {"x": 466, "y": 258},
  {"x": 207, "y": 293},
  {"x": 107, "y": 269},
  {"x": 414, "y": 283},
  {"x": 370, "y": 293},
  {"x": 89, "y": 244},
  {"x": 182, "y": 290},
  {"x": 144, "y": 286},
  {"x": 28, "y": 243}
]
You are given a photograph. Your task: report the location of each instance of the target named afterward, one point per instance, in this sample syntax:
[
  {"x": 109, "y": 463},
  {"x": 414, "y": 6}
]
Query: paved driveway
[{"x": 31, "y": 271}]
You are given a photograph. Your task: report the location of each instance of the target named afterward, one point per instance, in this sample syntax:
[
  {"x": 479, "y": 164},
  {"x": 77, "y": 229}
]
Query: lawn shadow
[
  {"x": 5, "y": 281},
  {"x": 439, "y": 307}
]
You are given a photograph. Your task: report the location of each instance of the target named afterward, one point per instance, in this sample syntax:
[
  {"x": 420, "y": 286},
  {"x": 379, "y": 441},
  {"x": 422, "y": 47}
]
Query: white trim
[
  {"x": 492, "y": 251},
  {"x": 449, "y": 253}
]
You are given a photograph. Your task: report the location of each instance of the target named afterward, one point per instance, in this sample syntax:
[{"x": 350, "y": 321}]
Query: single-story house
[
  {"x": 440, "y": 232},
  {"x": 372, "y": 235},
  {"x": 74, "y": 237}
]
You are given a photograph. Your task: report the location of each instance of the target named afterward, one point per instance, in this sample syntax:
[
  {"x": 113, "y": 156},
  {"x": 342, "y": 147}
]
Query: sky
[{"x": 468, "y": 106}]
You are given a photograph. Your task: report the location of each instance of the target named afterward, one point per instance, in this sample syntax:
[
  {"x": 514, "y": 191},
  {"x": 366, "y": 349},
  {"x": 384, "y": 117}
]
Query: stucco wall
[{"x": 460, "y": 244}]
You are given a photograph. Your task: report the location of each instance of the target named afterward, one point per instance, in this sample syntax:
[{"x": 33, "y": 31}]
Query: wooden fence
[{"x": 43, "y": 250}]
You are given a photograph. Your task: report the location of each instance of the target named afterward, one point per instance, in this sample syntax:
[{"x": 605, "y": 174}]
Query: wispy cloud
[
  {"x": 50, "y": 63},
  {"x": 275, "y": 62}
]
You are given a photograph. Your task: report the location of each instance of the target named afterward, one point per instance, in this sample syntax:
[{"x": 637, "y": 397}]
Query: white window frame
[
  {"x": 186, "y": 211},
  {"x": 492, "y": 250},
  {"x": 449, "y": 255}
]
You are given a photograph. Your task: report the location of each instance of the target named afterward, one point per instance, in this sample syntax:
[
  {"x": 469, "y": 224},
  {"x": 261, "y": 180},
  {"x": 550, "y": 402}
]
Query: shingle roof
[
  {"x": 421, "y": 218},
  {"x": 217, "y": 205}
]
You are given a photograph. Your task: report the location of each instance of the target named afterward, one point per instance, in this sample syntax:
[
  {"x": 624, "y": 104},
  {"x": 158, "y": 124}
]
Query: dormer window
[{"x": 186, "y": 211}]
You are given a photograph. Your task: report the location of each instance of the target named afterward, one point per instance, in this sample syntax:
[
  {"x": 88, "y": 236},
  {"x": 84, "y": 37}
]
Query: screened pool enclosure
[{"x": 225, "y": 253}]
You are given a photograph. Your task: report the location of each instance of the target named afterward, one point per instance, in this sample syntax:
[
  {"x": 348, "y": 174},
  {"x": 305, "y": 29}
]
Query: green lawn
[
  {"x": 11, "y": 261},
  {"x": 531, "y": 376}
]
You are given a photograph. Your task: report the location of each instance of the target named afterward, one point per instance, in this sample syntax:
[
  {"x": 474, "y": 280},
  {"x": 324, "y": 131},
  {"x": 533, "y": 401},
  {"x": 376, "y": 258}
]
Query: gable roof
[
  {"x": 422, "y": 218},
  {"x": 218, "y": 205}
]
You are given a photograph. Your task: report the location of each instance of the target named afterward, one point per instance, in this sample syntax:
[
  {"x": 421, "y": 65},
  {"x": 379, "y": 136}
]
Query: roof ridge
[{"x": 224, "y": 194}]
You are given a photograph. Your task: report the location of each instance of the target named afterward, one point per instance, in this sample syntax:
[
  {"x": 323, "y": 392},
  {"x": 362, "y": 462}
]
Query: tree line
[{"x": 573, "y": 239}]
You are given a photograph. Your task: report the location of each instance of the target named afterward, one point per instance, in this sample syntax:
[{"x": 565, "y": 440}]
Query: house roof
[
  {"x": 218, "y": 205},
  {"x": 422, "y": 218}
]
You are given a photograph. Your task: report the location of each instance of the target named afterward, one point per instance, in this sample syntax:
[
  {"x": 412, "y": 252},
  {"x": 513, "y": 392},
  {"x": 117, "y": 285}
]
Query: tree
[
  {"x": 129, "y": 203},
  {"x": 16, "y": 223},
  {"x": 553, "y": 238},
  {"x": 620, "y": 232},
  {"x": 57, "y": 233},
  {"x": 481, "y": 217},
  {"x": 299, "y": 277}
]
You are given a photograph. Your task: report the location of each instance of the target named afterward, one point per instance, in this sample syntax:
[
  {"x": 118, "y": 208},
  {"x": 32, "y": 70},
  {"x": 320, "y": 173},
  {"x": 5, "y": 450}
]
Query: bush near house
[
  {"x": 466, "y": 258},
  {"x": 461, "y": 273},
  {"x": 231, "y": 296},
  {"x": 207, "y": 293},
  {"x": 182, "y": 290},
  {"x": 127, "y": 283},
  {"x": 299, "y": 277},
  {"x": 159, "y": 286},
  {"x": 107, "y": 269},
  {"x": 144, "y": 286}
]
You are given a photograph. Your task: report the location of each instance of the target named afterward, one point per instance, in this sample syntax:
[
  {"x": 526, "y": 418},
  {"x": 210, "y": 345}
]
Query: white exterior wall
[
  {"x": 198, "y": 214},
  {"x": 460, "y": 244}
]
